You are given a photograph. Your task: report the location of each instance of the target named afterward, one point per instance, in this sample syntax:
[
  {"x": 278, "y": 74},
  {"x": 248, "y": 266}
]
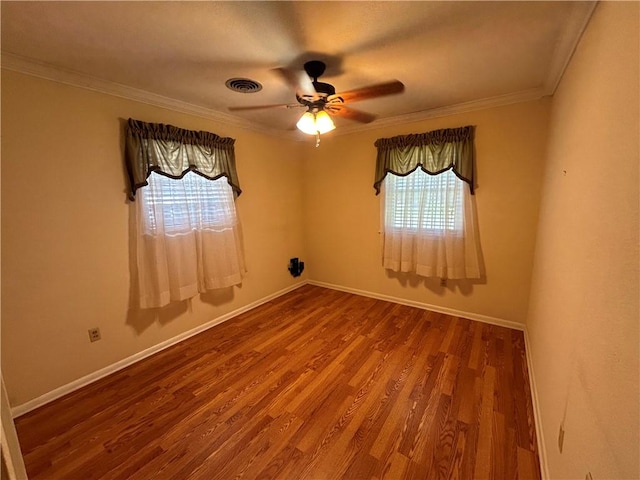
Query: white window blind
[
  {"x": 190, "y": 203},
  {"x": 423, "y": 202}
]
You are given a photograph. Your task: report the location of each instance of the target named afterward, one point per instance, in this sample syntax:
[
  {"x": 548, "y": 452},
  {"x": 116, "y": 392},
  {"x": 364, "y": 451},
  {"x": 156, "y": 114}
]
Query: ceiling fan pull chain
[{"x": 317, "y": 139}]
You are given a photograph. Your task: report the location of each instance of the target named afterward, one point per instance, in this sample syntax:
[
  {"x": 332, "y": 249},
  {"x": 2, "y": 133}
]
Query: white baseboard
[
  {"x": 425, "y": 306},
  {"x": 542, "y": 448},
  {"x": 542, "y": 452},
  {"x": 108, "y": 370},
  {"x": 81, "y": 382}
]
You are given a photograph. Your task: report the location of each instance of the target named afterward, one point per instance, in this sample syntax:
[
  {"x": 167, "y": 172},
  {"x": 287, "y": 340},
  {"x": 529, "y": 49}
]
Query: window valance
[
  {"x": 173, "y": 151},
  {"x": 435, "y": 152}
]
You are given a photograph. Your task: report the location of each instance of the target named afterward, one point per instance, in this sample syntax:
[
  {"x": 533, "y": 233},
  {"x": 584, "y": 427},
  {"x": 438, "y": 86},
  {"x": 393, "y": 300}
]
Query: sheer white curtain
[
  {"x": 429, "y": 226},
  {"x": 188, "y": 238}
]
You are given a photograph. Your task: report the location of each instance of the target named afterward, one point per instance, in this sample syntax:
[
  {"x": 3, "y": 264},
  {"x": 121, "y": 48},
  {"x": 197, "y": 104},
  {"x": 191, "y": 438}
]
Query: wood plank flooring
[{"x": 317, "y": 384}]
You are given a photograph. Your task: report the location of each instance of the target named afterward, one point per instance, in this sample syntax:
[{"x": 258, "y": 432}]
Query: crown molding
[
  {"x": 485, "y": 103},
  {"x": 563, "y": 52},
  {"x": 47, "y": 71},
  {"x": 567, "y": 43}
]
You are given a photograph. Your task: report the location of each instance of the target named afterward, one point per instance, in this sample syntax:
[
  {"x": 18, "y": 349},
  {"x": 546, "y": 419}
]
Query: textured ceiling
[{"x": 448, "y": 54}]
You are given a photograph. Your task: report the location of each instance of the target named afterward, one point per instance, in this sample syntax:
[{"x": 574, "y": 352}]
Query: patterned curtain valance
[
  {"x": 173, "y": 151},
  {"x": 435, "y": 152}
]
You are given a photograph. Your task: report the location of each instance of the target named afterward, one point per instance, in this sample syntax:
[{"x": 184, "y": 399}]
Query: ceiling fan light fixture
[
  {"x": 324, "y": 123},
  {"x": 315, "y": 123},
  {"x": 307, "y": 124}
]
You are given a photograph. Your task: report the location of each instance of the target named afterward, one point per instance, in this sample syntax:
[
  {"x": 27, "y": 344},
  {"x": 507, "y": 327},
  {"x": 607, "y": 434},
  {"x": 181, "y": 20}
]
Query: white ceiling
[{"x": 450, "y": 55}]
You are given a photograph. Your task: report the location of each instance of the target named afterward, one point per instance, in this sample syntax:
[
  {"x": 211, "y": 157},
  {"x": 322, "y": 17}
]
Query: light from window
[
  {"x": 423, "y": 202},
  {"x": 190, "y": 203}
]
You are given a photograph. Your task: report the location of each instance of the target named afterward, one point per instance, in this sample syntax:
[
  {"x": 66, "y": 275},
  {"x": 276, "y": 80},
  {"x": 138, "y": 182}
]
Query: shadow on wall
[
  {"x": 219, "y": 296},
  {"x": 434, "y": 285},
  {"x": 141, "y": 319}
]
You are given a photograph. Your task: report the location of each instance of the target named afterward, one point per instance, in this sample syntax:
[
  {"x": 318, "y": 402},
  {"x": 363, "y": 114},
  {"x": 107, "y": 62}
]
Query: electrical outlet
[
  {"x": 561, "y": 438},
  {"x": 94, "y": 334}
]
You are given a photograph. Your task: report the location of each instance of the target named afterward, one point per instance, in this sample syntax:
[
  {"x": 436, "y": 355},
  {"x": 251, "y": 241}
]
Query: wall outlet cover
[{"x": 94, "y": 334}]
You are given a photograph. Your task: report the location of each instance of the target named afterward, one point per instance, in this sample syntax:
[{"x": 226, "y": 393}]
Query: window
[
  {"x": 188, "y": 235},
  {"x": 423, "y": 202},
  {"x": 428, "y": 214},
  {"x": 192, "y": 202}
]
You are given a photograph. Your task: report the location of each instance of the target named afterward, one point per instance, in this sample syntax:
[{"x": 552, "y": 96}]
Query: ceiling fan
[{"x": 321, "y": 100}]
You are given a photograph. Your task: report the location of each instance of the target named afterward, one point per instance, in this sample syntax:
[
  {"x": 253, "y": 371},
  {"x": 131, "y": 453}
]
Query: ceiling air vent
[{"x": 243, "y": 85}]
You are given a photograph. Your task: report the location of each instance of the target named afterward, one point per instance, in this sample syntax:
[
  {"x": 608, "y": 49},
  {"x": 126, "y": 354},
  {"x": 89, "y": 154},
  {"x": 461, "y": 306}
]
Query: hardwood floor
[{"x": 317, "y": 384}]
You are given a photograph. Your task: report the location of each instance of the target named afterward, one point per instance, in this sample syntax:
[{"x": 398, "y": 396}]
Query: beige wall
[
  {"x": 65, "y": 239},
  {"x": 65, "y": 257},
  {"x": 343, "y": 213},
  {"x": 583, "y": 321}
]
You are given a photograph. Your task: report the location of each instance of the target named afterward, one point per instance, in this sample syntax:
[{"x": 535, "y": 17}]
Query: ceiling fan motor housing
[
  {"x": 314, "y": 68},
  {"x": 324, "y": 88}
]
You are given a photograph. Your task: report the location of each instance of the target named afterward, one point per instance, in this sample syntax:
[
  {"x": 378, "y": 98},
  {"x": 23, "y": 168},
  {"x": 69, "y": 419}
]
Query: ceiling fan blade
[
  {"x": 372, "y": 91},
  {"x": 258, "y": 107},
  {"x": 346, "y": 112},
  {"x": 299, "y": 81}
]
